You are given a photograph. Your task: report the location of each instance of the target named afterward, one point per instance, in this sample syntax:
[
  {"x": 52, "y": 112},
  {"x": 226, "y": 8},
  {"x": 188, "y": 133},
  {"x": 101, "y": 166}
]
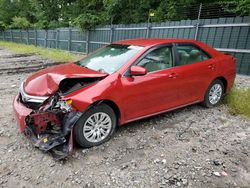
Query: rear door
[{"x": 196, "y": 70}]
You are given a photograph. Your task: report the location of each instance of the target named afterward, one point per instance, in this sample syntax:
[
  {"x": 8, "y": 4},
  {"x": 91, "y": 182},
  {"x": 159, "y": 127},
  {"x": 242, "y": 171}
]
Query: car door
[
  {"x": 154, "y": 92},
  {"x": 196, "y": 70}
]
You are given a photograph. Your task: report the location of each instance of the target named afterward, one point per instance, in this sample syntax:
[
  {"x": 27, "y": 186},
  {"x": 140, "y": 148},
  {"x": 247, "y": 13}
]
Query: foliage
[
  {"x": 8, "y": 10},
  {"x": 45, "y": 14},
  {"x": 174, "y": 12},
  {"x": 88, "y": 21},
  {"x": 242, "y": 8},
  {"x": 41, "y": 24},
  {"x": 20, "y": 23},
  {"x": 2, "y": 26},
  {"x": 53, "y": 54},
  {"x": 238, "y": 100}
]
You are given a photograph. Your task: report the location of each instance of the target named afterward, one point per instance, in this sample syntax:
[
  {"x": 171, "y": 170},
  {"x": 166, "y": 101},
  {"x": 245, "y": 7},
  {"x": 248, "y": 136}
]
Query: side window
[
  {"x": 190, "y": 54},
  {"x": 158, "y": 59}
]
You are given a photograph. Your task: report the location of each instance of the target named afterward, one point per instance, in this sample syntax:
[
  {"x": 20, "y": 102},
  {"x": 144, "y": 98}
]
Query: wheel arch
[
  {"x": 224, "y": 81},
  {"x": 111, "y": 104},
  {"x": 221, "y": 78}
]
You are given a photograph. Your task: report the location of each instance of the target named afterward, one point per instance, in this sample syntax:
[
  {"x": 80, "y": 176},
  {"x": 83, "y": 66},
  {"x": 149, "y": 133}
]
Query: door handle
[
  {"x": 173, "y": 75},
  {"x": 211, "y": 66}
]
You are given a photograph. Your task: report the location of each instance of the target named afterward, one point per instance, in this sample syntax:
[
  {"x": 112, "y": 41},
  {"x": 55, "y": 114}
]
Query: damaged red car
[{"x": 85, "y": 101}]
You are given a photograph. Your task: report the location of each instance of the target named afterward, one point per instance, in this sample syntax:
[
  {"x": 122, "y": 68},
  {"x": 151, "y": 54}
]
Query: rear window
[{"x": 189, "y": 54}]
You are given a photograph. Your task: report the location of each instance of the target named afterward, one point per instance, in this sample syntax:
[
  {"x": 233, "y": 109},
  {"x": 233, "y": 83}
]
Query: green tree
[
  {"x": 2, "y": 26},
  {"x": 8, "y": 9},
  {"x": 41, "y": 24},
  {"x": 243, "y": 7},
  {"x": 88, "y": 14},
  {"x": 87, "y": 21},
  {"x": 20, "y": 23},
  {"x": 45, "y": 14}
]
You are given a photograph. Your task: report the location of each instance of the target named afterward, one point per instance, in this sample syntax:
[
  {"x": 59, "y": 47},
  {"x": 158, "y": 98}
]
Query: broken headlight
[
  {"x": 64, "y": 105},
  {"x": 56, "y": 103}
]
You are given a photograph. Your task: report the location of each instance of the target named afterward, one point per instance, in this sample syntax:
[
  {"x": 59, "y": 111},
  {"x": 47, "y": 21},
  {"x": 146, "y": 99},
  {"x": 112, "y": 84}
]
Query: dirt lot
[{"x": 190, "y": 147}]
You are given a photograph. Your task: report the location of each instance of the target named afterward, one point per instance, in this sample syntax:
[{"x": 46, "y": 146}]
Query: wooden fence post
[
  {"x": 111, "y": 34},
  {"x": 148, "y": 30},
  {"x": 21, "y": 38},
  {"x": 35, "y": 37},
  {"x": 11, "y": 34},
  {"x": 46, "y": 37},
  {"x": 57, "y": 38},
  {"x": 87, "y": 41},
  {"x": 69, "y": 40},
  {"x": 27, "y": 36}
]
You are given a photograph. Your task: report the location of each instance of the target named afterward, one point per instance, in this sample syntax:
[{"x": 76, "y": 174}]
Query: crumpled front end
[{"x": 47, "y": 121}]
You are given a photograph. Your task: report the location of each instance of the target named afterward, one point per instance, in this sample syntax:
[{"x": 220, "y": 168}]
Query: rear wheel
[
  {"x": 214, "y": 94},
  {"x": 96, "y": 126}
]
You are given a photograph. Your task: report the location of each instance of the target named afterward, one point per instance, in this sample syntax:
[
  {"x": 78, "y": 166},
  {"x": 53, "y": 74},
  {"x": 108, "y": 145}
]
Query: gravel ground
[{"x": 189, "y": 147}]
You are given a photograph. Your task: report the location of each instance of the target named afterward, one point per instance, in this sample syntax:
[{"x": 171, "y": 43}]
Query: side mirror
[{"x": 137, "y": 71}]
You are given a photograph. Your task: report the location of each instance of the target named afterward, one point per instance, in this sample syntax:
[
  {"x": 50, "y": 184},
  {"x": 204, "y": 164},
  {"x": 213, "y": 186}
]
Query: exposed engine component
[
  {"x": 50, "y": 125},
  {"x": 60, "y": 144},
  {"x": 72, "y": 84},
  {"x": 42, "y": 120},
  {"x": 66, "y": 86},
  {"x": 64, "y": 106}
]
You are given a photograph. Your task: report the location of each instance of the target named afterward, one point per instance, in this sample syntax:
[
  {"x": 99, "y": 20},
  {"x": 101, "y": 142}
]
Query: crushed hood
[{"x": 46, "y": 82}]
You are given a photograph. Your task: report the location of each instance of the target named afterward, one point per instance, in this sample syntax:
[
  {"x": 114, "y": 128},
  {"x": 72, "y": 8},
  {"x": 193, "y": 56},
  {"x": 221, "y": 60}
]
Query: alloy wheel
[
  {"x": 97, "y": 127},
  {"x": 215, "y": 94}
]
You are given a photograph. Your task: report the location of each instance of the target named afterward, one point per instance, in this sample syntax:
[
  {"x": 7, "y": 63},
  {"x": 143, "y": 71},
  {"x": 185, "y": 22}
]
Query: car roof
[
  {"x": 152, "y": 41},
  {"x": 158, "y": 41}
]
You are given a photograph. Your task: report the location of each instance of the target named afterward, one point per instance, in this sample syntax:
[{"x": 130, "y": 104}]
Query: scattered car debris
[
  {"x": 217, "y": 174},
  {"x": 217, "y": 162},
  {"x": 223, "y": 173},
  {"x": 164, "y": 161},
  {"x": 184, "y": 182}
]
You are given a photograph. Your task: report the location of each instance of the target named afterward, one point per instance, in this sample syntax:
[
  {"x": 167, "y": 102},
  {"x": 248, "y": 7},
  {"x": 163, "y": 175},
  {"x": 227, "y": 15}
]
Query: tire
[
  {"x": 88, "y": 132},
  {"x": 212, "y": 98}
]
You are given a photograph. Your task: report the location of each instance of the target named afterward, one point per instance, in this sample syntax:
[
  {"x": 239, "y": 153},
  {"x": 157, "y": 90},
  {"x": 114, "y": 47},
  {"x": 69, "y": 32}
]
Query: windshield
[{"x": 110, "y": 58}]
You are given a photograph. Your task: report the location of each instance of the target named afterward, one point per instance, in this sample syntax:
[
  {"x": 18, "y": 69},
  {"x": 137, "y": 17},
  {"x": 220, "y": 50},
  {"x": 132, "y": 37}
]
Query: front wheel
[
  {"x": 96, "y": 126},
  {"x": 214, "y": 94}
]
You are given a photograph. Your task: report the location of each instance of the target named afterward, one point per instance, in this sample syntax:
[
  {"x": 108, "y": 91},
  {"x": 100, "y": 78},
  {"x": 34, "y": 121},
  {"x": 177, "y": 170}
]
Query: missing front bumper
[{"x": 60, "y": 145}]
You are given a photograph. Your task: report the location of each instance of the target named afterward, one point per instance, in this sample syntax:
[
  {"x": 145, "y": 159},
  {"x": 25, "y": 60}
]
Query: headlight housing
[{"x": 64, "y": 105}]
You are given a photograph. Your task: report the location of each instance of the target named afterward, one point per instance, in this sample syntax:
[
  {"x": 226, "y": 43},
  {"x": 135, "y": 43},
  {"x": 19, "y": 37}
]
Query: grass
[
  {"x": 239, "y": 101},
  {"x": 52, "y": 54}
]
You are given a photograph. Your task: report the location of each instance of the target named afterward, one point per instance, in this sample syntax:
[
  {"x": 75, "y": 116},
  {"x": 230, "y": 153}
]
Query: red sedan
[{"x": 125, "y": 81}]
